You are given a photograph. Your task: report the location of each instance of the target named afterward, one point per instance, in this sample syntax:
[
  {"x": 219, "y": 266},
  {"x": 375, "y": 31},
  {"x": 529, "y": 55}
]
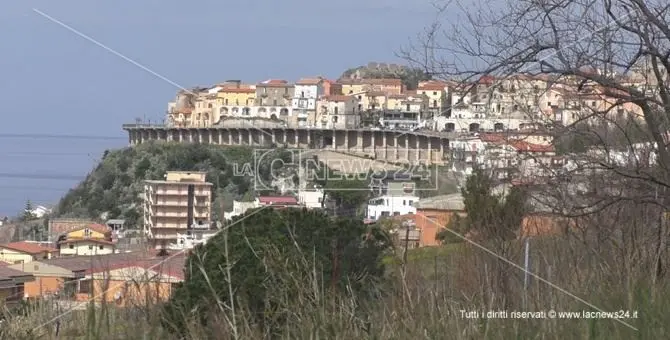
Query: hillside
[
  {"x": 410, "y": 76},
  {"x": 113, "y": 189}
]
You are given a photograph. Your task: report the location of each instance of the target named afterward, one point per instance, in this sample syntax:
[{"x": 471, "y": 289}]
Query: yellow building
[
  {"x": 436, "y": 93},
  {"x": 86, "y": 247},
  {"x": 236, "y": 99},
  {"x": 24, "y": 252},
  {"x": 92, "y": 231},
  {"x": 180, "y": 202},
  {"x": 407, "y": 102}
]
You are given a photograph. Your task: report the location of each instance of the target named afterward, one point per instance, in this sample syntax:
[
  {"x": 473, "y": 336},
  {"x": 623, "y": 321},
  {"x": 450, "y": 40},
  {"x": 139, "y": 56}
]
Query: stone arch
[{"x": 474, "y": 127}]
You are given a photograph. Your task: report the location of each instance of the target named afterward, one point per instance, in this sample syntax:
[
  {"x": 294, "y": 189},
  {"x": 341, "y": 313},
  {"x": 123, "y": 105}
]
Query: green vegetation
[
  {"x": 489, "y": 216},
  {"x": 345, "y": 253},
  {"x": 115, "y": 186}
]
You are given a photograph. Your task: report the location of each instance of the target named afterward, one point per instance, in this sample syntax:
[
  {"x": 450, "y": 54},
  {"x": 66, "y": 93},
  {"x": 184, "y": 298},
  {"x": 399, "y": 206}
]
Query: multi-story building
[
  {"x": 273, "y": 99},
  {"x": 176, "y": 205},
  {"x": 307, "y": 91},
  {"x": 436, "y": 93},
  {"x": 338, "y": 112},
  {"x": 398, "y": 198},
  {"x": 236, "y": 99}
]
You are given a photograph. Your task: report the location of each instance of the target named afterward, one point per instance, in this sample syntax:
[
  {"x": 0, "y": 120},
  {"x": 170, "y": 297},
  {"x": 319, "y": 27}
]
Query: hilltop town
[{"x": 512, "y": 128}]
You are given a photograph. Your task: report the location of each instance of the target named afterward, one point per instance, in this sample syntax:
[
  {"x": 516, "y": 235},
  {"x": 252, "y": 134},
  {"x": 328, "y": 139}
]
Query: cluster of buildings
[
  {"x": 84, "y": 261},
  {"x": 488, "y": 104}
]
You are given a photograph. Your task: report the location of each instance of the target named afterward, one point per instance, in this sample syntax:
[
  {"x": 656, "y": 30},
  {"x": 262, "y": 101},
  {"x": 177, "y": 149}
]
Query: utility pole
[{"x": 526, "y": 268}]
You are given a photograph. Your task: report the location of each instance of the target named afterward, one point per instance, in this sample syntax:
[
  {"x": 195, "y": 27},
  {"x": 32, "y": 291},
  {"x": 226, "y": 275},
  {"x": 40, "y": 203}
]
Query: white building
[
  {"x": 338, "y": 112},
  {"x": 239, "y": 208},
  {"x": 86, "y": 247},
  {"x": 39, "y": 211},
  {"x": 307, "y": 91},
  {"x": 311, "y": 199},
  {"x": 388, "y": 205}
]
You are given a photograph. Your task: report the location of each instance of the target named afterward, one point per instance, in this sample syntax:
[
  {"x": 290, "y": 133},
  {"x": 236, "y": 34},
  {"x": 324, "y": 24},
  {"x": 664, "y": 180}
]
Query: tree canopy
[
  {"x": 262, "y": 247},
  {"x": 489, "y": 215}
]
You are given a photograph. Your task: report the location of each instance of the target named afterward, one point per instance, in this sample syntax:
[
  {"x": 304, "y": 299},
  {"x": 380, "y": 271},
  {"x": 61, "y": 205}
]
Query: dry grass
[{"x": 423, "y": 299}]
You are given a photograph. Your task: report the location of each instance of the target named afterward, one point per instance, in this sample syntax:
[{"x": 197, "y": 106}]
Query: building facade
[
  {"x": 273, "y": 99},
  {"x": 338, "y": 112},
  {"x": 176, "y": 205},
  {"x": 307, "y": 92}
]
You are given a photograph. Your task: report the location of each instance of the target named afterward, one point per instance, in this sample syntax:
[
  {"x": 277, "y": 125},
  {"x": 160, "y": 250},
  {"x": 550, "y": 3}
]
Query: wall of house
[
  {"x": 85, "y": 249},
  {"x": 82, "y": 234},
  {"x": 12, "y": 256},
  {"x": 11, "y": 293},
  {"x": 431, "y": 222},
  {"x": 127, "y": 293},
  {"x": 43, "y": 285}
]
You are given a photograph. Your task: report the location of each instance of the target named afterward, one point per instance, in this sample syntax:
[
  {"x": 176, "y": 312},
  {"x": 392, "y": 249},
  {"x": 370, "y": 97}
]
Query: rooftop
[
  {"x": 28, "y": 248},
  {"x": 453, "y": 202}
]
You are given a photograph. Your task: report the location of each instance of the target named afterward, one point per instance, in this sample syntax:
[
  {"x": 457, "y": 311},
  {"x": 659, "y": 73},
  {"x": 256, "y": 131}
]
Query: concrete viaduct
[{"x": 408, "y": 147}]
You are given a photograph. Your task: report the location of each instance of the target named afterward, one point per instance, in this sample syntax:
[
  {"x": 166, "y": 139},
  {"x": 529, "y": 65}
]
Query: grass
[{"x": 424, "y": 299}]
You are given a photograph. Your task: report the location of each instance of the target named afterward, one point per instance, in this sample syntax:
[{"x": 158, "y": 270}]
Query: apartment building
[{"x": 176, "y": 205}]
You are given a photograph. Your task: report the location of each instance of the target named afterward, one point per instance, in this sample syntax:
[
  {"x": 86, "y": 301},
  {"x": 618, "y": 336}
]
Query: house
[
  {"x": 311, "y": 199},
  {"x": 338, "y": 112},
  {"x": 274, "y": 99},
  {"x": 277, "y": 201},
  {"x": 398, "y": 199},
  {"x": 239, "y": 208},
  {"x": 48, "y": 279},
  {"x": 12, "y": 285},
  {"x": 86, "y": 246},
  {"x": 39, "y": 211},
  {"x": 436, "y": 93},
  {"x": 389, "y": 85},
  {"x": 60, "y": 226},
  {"x": 434, "y": 214},
  {"x": 236, "y": 99},
  {"x": 307, "y": 92},
  {"x": 24, "y": 252},
  {"x": 91, "y": 231}
]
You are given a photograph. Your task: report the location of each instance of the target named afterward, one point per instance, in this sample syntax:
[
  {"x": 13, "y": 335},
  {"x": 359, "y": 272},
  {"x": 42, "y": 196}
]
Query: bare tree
[{"x": 604, "y": 65}]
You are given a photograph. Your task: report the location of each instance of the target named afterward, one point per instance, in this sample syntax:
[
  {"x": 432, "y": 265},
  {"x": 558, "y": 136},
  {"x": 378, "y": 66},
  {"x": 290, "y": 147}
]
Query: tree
[
  {"x": 609, "y": 62},
  {"x": 490, "y": 216},
  {"x": 265, "y": 252},
  {"x": 28, "y": 212}
]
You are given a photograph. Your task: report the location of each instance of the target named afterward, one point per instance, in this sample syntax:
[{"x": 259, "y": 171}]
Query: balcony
[
  {"x": 170, "y": 214},
  {"x": 166, "y": 192},
  {"x": 204, "y": 226},
  {"x": 165, "y": 203}
]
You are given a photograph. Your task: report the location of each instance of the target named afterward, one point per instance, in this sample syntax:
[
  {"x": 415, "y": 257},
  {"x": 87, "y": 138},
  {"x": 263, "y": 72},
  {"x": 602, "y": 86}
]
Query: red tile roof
[
  {"x": 523, "y": 146},
  {"x": 309, "y": 81},
  {"x": 237, "y": 90},
  {"x": 28, "y": 248},
  {"x": 278, "y": 200},
  {"x": 487, "y": 80},
  {"x": 432, "y": 86}
]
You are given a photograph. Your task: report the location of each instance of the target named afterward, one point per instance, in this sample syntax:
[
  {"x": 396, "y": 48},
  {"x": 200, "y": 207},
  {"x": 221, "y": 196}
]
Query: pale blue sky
[{"x": 57, "y": 83}]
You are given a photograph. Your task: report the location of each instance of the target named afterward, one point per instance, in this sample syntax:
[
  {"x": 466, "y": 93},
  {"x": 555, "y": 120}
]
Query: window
[
  {"x": 404, "y": 202},
  {"x": 265, "y": 90},
  {"x": 351, "y": 91},
  {"x": 87, "y": 232},
  {"x": 593, "y": 103},
  {"x": 302, "y": 94},
  {"x": 71, "y": 246},
  {"x": 434, "y": 93},
  {"x": 335, "y": 109},
  {"x": 274, "y": 102},
  {"x": 102, "y": 247},
  {"x": 226, "y": 101},
  {"x": 85, "y": 287},
  {"x": 408, "y": 107},
  {"x": 90, "y": 247},
  {"x": 411, "y": 202},
  {"x": 548, "y": 103},
  {"x": 286, "y": 90}
]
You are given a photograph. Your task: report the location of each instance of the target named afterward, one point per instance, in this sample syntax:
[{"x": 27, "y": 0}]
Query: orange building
[{"x": 434, "y": 213}]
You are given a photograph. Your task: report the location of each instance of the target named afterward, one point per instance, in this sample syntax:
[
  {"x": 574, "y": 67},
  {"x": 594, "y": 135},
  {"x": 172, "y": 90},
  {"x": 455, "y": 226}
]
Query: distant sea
[{"x": 44, "y": 169}]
